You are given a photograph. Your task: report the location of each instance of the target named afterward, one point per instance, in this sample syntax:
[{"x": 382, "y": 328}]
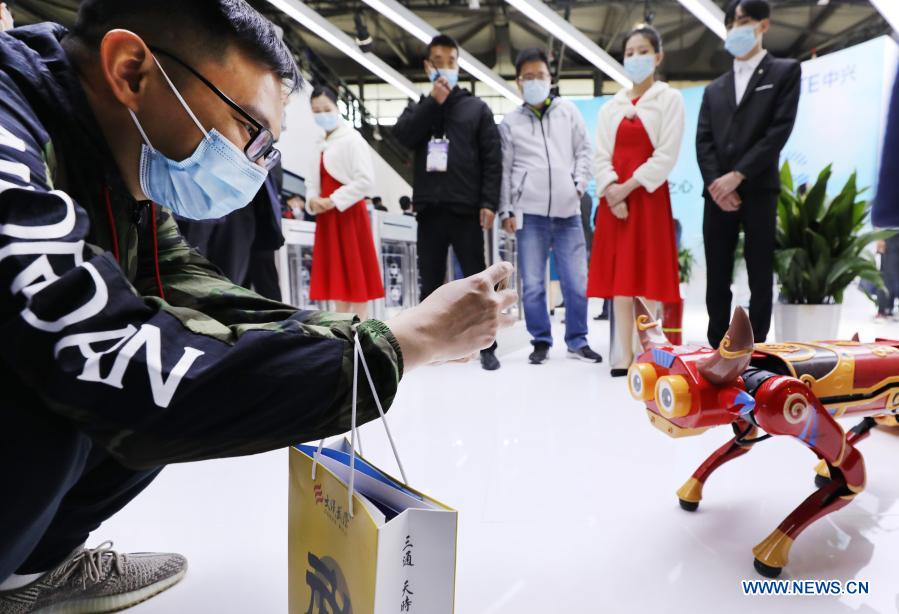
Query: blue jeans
[{"x": 566, "y": 238}]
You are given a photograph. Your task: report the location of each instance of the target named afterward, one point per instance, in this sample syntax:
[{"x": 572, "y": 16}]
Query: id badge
[{"x": 438, "y": 155}]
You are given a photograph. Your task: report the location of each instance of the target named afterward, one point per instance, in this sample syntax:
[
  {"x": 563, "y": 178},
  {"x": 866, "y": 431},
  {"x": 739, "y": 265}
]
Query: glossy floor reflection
[{"x": 566, "y": 500}]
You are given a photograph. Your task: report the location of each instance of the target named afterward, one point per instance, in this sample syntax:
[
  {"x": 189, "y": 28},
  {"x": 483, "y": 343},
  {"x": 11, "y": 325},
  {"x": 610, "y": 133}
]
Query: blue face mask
[
  {"x": 640, "y": 67},
  {"x": 215, "y": 180},
  {"x": 535, "y": 91},
  {"x": 741, "y": 40},
  {"x": 450, "y": 74},
  {"x": 327, "y": 121}
]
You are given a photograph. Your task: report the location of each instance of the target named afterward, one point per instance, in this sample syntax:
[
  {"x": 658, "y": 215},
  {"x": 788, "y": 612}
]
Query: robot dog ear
[
  {"x": 733, "y": 355},
  {"x": 648, "y": 328}
]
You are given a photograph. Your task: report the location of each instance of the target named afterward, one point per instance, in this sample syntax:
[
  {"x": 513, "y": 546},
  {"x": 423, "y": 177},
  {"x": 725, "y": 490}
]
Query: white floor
[{"x": 566, "y": 501}]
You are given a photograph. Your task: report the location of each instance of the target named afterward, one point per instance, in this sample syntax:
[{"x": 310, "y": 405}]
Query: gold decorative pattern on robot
[
  {"x": 644, "y": 323},
  {"x": 796, "y": 408},
  {"x": 726, "y": 353},
  {"x": 671, "y": 429}
]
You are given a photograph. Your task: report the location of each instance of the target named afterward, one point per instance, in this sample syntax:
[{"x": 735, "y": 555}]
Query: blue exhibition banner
[{"x": 841, "y": 120}]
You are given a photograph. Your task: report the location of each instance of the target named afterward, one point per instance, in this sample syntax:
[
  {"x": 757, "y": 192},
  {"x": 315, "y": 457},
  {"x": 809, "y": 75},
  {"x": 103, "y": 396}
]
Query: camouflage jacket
[{"x": 110, "y": 320}]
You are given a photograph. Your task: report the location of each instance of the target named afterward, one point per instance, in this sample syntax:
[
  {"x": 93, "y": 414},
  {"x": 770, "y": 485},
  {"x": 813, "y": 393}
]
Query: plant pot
[{"x": 806, "y": 322}]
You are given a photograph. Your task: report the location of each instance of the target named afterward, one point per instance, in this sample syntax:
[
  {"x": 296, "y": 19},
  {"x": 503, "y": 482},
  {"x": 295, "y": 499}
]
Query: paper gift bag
[{"x": 362, "y": 542}]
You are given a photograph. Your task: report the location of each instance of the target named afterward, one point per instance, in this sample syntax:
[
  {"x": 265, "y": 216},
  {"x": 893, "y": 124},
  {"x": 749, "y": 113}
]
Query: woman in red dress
[
  {"x": 344, "y": 262},
  {"x": 638, "y": 139}
]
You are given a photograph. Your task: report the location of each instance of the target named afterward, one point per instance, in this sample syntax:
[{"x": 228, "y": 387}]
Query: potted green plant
[{"x": 820, "y": 251}]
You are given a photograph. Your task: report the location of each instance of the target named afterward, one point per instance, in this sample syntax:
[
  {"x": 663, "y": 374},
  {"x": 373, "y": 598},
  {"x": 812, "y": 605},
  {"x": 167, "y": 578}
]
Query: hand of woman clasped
[
  {"x": 320, "y": 205},
  {"x": 616, "y": 197}
]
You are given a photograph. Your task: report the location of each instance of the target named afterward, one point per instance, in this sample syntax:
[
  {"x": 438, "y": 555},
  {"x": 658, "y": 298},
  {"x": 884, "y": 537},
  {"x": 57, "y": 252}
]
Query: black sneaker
[
  {"x": 619, "y": 372},
  {"x": 585, "y": 354},
  {"x": 540, "y": 354},
  {"x": 489, "y": 361}
]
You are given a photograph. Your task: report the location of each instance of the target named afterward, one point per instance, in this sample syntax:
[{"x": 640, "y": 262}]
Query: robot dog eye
[
  {"x": 641, "y": 381},
  {"x": 673, "y": 396}
]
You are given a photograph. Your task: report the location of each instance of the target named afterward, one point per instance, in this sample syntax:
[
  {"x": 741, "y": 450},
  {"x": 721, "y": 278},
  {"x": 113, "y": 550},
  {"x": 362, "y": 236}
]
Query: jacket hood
[
  {"x": 33, "y": 57},
  {"x": 525, "y": 109}
]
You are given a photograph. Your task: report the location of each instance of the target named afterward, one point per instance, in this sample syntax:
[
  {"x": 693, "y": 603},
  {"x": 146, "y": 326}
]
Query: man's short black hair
[
  {"x": 443, "y": 40},
  {"x": 191, "y": 27},
  {"x": 756, "y": 9},
  {"x": 532, "y": 54}
]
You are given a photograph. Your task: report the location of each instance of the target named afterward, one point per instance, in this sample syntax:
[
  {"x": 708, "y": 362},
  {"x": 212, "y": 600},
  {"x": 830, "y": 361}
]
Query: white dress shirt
[{"x": 743, "y": 70}]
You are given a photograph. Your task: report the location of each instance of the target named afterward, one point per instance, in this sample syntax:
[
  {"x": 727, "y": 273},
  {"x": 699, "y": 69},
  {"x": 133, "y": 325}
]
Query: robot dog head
[{"x": 687, "y": 389}]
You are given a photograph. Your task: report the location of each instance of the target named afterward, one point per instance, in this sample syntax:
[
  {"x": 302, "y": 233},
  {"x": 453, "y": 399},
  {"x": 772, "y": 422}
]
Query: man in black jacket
[
  {"x": 458, "y": 167},
  {"x": 746, "y": 118},
  {"x": 124, "y": 350}
]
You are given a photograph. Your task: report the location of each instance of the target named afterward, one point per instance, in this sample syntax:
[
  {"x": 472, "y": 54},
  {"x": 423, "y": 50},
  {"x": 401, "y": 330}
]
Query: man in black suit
[{"x": 746, "y": 118}]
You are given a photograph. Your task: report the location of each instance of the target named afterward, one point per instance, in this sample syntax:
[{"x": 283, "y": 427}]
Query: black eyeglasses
[{"x": 262, "y": 142}]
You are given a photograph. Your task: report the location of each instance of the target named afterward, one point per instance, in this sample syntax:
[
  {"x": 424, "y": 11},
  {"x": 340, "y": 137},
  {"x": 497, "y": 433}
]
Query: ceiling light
[
  {"x": 572, "y": 37},
  {"x": 708, "y": 13},
  {"x": 331, "y": 34},
  {"x": 423, "y": 31}
]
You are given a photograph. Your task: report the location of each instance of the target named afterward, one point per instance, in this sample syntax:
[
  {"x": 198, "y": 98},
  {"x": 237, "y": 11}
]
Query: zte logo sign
[{"x": 46, "y": 242}]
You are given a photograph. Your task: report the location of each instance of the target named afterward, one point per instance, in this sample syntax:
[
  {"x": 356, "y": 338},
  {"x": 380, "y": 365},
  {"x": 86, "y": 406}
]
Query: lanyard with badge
[
  {"x": 438, "y": 148},
  {"x": 438, "y": 155}
]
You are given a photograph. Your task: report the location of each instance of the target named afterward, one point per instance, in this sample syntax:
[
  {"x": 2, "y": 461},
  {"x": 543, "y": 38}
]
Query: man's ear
[
  {"x": 765, "y": 26},
  {"x": 660, "y": 57},
  {"x": 126, "y": 61}
]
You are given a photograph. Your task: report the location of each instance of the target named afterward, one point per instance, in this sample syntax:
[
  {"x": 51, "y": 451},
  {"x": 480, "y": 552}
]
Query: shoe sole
[
  {"x": 114, "y": 603},
  {"x": 574, "y": 356}
]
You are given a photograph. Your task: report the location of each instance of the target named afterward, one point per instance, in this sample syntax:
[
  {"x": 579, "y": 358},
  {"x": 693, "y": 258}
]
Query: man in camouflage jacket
[{"x": 123, "y": 349}]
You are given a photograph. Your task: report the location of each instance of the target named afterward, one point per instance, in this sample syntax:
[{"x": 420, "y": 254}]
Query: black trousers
[
  {"x": 56, "y": 485},
  {"x": 757, "y": 217},
  {"x": 438, "y": 229}
]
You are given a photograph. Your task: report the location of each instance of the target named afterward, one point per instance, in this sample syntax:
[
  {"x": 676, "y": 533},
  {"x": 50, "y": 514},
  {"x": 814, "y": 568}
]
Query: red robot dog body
[{"x": 794, "y": 389}]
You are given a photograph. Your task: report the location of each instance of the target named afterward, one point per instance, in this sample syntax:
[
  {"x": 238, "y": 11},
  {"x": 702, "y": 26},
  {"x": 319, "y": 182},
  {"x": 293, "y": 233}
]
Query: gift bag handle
[{"x": 357, "y": 354}]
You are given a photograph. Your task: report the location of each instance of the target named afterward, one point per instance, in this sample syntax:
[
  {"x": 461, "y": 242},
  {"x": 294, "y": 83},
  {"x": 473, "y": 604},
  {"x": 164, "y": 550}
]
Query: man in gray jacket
[{"x": 547, "y": 162}]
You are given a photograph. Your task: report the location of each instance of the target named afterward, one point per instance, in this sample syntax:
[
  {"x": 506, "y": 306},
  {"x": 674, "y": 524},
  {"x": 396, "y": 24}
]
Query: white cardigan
[
  {"x": 348, "y": 160},
  {"x": 661, "y": 109}
]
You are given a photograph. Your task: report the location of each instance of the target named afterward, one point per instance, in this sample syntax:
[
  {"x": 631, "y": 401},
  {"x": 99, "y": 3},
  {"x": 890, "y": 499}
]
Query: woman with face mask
[
  {"x": 638, "y": 140},
  {"x": 344, "y": 262}
]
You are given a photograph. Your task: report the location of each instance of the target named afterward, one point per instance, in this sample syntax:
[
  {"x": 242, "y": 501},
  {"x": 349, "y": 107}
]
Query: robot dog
[{"x": 793, "y": 389}]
